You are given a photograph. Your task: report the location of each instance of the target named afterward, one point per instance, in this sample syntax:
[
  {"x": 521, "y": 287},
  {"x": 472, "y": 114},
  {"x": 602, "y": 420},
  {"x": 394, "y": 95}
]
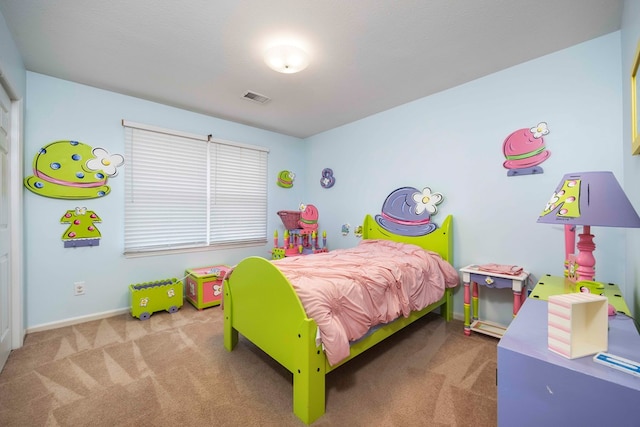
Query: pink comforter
[{"x": 348, "y": 291}]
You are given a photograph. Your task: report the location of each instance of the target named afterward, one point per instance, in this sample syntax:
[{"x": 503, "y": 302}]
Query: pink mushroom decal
[{"x": 525, "y": 149}]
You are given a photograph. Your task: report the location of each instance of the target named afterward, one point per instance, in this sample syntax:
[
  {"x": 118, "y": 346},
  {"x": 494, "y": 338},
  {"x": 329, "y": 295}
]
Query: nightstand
[
  {"x": 555, "y": 285},
  {"x": 472, "y": 276}
]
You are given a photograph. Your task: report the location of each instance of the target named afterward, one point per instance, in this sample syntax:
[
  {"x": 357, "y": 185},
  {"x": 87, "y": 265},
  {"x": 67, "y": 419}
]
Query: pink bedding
[{"x": 348, "y": 291}]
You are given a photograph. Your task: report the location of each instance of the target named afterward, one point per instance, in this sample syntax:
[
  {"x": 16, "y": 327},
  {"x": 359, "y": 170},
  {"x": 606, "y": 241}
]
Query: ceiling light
[{"x": 286, "y": 59}]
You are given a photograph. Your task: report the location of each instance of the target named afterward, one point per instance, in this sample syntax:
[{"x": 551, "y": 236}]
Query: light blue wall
[
  {"x": 452, "y": 142},
  {"x": 630, "y": 43},
  {"x": 61, "y": 110}
]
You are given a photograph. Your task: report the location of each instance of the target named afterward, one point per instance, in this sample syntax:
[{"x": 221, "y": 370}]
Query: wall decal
[
  {"x": 286, "y": 178},
  {"x": 81, "y": 231},
  {"x": 524, "y": 150},
  {"x": 72, "y": 170},
  {"x": 308, "y": 221},
  {"x": 327, "y": 179},
  {"x": 407, "y": 211}
]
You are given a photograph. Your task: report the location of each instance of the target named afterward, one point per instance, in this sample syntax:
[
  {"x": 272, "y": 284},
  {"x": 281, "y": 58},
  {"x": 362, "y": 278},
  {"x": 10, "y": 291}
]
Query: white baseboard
[
  {"x": 76, "y": 320},
  {"x": 105, "y": 314}
]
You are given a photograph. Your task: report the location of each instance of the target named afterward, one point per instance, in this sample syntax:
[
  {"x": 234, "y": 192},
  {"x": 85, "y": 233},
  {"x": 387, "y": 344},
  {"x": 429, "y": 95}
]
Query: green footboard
[{"x": 261, "y": 304}]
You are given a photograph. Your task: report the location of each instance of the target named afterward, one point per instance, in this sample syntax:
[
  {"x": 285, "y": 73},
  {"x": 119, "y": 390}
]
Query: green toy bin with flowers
[{"x": 149, "y": 297}]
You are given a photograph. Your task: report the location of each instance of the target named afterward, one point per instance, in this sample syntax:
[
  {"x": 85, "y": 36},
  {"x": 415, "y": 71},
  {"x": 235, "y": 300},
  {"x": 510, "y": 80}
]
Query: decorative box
[
  {"x": 204, "y": 285},
  {"x": 578, "y": 324},
  {"x": 149, "y": 297}
]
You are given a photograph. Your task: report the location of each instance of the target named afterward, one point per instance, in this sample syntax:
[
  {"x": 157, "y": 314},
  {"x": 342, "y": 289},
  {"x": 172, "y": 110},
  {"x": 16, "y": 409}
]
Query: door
[{"x": 5, "y": 230}]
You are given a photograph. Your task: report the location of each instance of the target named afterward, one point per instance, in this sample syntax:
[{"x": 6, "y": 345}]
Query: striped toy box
[{"x": 578, "y": 324}]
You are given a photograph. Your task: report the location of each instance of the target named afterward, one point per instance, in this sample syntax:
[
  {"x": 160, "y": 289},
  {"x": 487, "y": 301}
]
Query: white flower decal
[
  {"x": 217, "y": 290},
  {"x": 540, "y": 130},
  {"x": 105, "y": 162},
  {"x": 427, "y": 201}
]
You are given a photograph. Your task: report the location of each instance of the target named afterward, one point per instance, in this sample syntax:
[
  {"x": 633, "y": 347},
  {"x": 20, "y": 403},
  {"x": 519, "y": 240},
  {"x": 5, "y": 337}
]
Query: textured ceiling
[{"x": 366, "y": 55}]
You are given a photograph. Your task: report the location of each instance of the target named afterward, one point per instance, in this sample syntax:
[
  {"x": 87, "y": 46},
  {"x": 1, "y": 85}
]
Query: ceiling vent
[{"x": 256, "y": 97}]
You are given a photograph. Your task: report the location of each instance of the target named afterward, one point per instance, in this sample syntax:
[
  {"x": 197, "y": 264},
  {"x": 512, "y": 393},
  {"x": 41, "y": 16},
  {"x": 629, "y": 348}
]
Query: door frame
[
  {"x": 16, "y": 175},
  {"x": 17, "y": 236}
]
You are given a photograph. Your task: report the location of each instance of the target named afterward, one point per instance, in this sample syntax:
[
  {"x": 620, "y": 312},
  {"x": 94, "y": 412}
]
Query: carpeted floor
[{"x": 173, "y": 370}]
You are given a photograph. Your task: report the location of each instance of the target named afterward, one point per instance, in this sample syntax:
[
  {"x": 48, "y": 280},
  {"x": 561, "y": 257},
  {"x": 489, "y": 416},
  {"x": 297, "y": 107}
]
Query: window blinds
[{"x": 188, "y": 191}]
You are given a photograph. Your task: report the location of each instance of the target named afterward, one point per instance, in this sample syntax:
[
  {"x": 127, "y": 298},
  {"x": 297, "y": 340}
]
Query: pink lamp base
[{"x": 585, "y": 260}]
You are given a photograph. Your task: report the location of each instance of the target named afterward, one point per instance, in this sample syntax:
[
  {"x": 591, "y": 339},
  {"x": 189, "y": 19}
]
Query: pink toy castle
[{"x": 300, "y": 234}]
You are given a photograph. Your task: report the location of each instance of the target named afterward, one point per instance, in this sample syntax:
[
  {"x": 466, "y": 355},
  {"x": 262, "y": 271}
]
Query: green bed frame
[{"x": 261, "y": 304}]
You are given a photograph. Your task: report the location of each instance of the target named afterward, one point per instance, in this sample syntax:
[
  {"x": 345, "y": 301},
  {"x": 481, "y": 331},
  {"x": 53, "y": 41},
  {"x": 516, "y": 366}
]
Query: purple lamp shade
[{"x": 590, "y": 198}]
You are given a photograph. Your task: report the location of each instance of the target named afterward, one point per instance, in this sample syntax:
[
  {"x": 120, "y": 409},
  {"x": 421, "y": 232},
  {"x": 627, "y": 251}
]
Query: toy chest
[
  {"x": 204, "y": 285},
  {"x": 149, "y": 297}
]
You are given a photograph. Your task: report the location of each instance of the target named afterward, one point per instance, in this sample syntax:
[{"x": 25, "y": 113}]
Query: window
[{"x": 185, "y": 191}]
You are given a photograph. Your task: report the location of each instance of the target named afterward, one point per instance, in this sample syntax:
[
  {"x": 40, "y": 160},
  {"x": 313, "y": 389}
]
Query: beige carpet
[{"x": 173, "y": 370}]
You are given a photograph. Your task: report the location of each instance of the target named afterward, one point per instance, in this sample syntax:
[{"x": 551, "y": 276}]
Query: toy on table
[{"x": 300, "y": 233}]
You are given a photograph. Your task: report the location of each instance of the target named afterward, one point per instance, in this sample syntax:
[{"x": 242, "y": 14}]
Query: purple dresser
[{"x": 537, "y": 387}]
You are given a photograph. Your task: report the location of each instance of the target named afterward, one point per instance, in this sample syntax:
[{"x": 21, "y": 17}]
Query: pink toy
[
  {"x": 300, "y": 238},
  {"x": 308, "y": 219}
]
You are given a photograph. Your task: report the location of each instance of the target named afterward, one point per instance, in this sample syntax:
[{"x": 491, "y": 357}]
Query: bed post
[
  {"x": 446, "y": 310},
  {"x": 308, "y": 375},
  {"x": 230, "y": 334}
]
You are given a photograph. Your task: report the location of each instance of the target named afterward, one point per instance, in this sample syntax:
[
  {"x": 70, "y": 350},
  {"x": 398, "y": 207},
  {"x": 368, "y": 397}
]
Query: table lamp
[{"x": 588, "y": 199}]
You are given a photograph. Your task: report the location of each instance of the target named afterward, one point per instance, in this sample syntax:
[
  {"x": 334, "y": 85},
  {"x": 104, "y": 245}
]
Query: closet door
[{"x": 5, "y": 230}]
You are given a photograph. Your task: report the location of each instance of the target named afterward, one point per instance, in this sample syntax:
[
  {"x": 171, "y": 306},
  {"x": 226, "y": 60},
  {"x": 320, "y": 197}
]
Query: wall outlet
[{"x": 78, "y": 288}]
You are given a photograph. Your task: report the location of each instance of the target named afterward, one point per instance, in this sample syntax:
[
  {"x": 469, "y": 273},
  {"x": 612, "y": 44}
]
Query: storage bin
[
  {"x": 149, "y": 297},
  {"x": 204, "y": 285},
  {"x": 578, "y": 324}
]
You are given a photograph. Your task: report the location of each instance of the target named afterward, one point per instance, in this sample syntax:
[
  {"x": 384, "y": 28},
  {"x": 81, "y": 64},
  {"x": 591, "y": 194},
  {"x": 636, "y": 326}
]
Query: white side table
[{"x": 472, "y": 275}]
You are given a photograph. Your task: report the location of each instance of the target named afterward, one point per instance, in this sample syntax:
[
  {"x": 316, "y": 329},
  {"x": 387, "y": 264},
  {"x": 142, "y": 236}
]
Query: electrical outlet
[{"x": 78, "y": 288}]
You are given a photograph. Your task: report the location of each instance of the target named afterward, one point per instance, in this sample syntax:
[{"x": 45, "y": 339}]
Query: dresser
[{"x": 537, "y": 387}]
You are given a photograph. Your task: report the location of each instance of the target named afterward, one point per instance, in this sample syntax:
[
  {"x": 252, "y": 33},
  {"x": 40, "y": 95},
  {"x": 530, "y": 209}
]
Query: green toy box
[
  {"x": 204, "y": 285},
  {"x": 149, "y": 297}
]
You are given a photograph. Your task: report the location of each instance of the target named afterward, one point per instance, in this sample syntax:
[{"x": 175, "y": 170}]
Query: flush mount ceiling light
[{"x": 286, "y": 59}]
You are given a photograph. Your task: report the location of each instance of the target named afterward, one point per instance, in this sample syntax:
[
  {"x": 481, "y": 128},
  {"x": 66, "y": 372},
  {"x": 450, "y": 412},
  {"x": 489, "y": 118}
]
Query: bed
[{"x": 260, "y": 303}]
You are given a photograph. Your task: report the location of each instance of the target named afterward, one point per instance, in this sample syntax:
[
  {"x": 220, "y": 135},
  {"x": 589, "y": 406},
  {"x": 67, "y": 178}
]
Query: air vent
[{"x": 256, "y": 97}]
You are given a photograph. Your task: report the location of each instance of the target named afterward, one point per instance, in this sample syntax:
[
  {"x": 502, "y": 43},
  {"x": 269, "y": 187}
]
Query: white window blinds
[{"x": 189, "y": 191}]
